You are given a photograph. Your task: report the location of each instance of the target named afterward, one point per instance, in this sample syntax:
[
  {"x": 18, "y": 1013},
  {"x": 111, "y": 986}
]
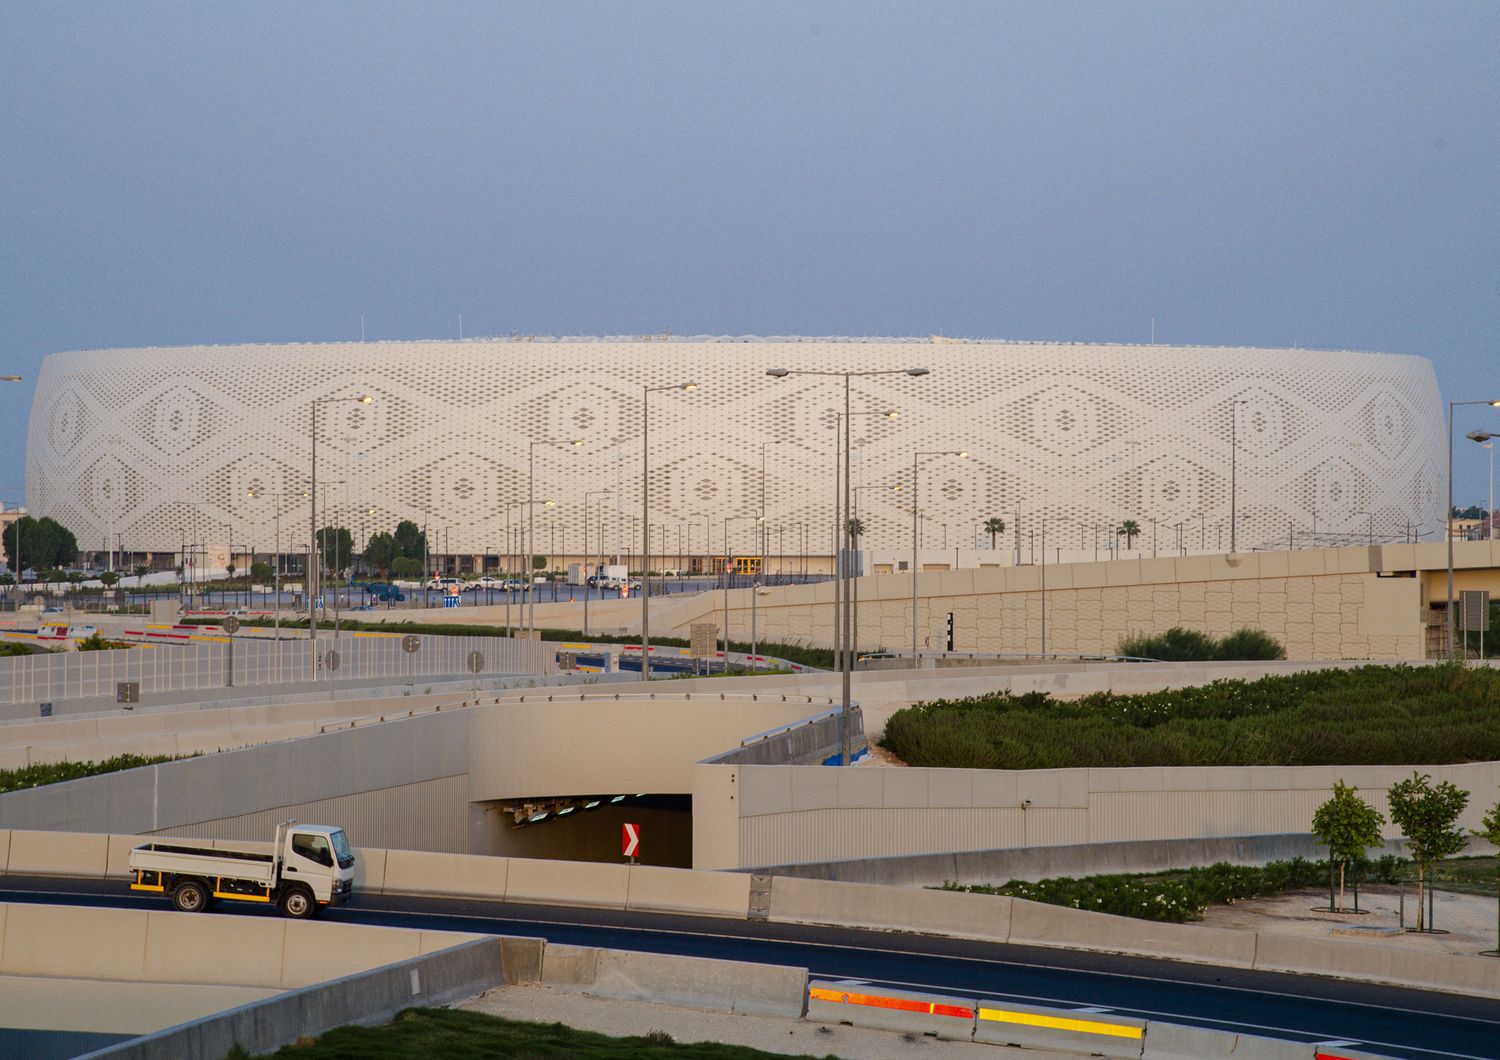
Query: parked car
[
  {"x": 442, "y": 583},
  {"x": 384, "y": 592},
  {"x": 484, "y": 581}
]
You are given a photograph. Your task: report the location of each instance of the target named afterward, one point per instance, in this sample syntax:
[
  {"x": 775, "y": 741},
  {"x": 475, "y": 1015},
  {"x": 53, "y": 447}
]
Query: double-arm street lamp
[
  {"x": 587, "y": 558},
  {"x": 962, "y": 454},
  {"x": 1448, "y": 515},
  {"x": 277, "y": 579},
  {"x": 572, "y": 443},
  {"x": 728, "y": 576},
  {"x": 1484, "y": 438},
  {"x": 646, "y": 392},
  {"x": 841, "y": 531},
  {"x": 312, "y": 567}
]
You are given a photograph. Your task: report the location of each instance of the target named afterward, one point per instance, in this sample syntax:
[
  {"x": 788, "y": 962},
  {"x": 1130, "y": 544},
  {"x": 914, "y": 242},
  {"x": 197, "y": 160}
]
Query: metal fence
[{"x": 248, "y": 662}]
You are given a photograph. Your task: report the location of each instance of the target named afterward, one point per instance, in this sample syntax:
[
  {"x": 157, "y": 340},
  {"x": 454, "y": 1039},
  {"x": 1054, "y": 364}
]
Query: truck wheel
[
  {"x": 190, "y": 896},
  {"x": 297, "y": 903}
]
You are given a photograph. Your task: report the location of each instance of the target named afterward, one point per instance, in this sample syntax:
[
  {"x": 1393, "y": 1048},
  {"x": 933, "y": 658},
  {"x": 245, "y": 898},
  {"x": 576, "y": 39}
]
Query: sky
[{"x": 1276, "y": 174}]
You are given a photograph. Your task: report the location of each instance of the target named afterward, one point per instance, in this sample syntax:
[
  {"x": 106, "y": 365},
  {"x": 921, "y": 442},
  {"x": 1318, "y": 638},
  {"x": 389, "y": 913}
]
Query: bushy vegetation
[
  {"x": 1180, "y": 895},
  {"x": 95, "y": 642},
  {"x": 56, "y": 772},
  {"x": 1370, "y": 715},
  {"x": 12, "y": 648},
  {"x": 456, "y": 1034},
  {"x": 1189, "y": 645}
]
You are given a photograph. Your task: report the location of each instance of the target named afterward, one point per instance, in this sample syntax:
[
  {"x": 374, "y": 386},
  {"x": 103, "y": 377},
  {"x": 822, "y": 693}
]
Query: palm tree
[
  {"x": 994, "y": 527},
  {"x": 856, "y": 528},
  {"x": 1129, "y": 530}
]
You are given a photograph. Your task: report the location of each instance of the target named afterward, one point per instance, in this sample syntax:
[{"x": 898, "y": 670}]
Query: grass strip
[{"x": 455, "y": 1034}]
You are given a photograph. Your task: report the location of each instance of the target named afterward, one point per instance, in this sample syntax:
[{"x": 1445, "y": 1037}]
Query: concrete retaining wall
[
  {"x": 789, "y": 815},
  {"x": 1082, "y": 859}
]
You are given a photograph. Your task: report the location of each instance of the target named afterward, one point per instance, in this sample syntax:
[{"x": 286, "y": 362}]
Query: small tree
[
  {"x": 140, "y": 570},
  {"x": 230, "y": 568},
  {"x": 108, "y": 579},
  {"x": 1348, "y": 826},
  {"x": 380, "y": 550},
  {"x": 1129, "y": 530},
  {"x": 406, "y": 567},
  {"x": 1425, "y": 813},
  {"x": 994, "y": 526},
  {"x": 538, "y": 562},
  {"x": 260, "y": 571},
  {"x": 1490, "y": 832}
]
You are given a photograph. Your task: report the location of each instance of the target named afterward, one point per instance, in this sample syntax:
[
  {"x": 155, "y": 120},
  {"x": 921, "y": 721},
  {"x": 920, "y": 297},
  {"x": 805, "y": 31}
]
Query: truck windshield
[{"x": 341, "y": 849}]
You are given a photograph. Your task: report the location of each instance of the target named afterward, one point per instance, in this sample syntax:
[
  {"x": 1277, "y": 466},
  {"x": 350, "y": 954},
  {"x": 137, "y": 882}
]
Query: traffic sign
[
  {"x": 410, "y": 643},
  {"x": 630, "y": 840},
  {"x": 231, "y": 625}
]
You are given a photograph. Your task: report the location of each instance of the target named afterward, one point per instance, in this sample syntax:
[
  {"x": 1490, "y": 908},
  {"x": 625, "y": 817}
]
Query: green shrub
[
  {"x": 95, "y": 642},
  {"x": 1188, "y": 645},
  {"x": 55, "y": 772},
  {"x": 1253, "y": 644},
  {"x": 1172, "y": 897},
  {"x": 1371, "y": 715}
]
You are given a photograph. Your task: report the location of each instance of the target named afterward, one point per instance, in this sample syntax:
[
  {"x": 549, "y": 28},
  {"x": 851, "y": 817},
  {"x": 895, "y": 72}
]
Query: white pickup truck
[{"x": 310, "y": 866}]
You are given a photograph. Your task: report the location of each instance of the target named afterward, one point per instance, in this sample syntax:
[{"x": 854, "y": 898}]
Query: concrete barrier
[
  {"x": 1171, "y": 1041},
  {"x": 693, "y": 982},
  {"x": 1065, "y": 1030},
  {"x": 368, "y": 997},
  {"x": 460, "y": 875},
  {"x": 70, "y": 942},
  {"x": 1035, "y": 923},
  {"x": 193, "y": 949},
  {"x": 1371, "y": 961},
  {"x": 955, "y": 913},
  {"x": 890, "y": 1008},
  {"x": 567, "y": 883},
  {"x": 661, "y": 890},
  {"x": 83, "y": 854},
  {"x": 696, "y": 982}
]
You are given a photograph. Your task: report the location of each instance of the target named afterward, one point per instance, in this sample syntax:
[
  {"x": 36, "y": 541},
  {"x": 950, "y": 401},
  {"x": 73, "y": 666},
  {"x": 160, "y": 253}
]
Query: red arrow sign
[{"x": 630, "y": 842}]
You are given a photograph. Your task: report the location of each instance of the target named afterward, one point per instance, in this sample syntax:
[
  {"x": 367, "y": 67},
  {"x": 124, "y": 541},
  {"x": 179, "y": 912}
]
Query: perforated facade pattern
[{"x": 158, "y": 444}]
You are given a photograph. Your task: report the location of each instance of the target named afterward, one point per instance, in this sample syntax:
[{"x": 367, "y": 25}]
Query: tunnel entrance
[{"x": 585, "y": 828}]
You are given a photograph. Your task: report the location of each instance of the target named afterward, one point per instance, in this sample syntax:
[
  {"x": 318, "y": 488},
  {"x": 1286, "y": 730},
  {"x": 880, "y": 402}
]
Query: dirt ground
[
  {"x": 1469, "y": 919},
  {"x": 772, "y": 1034}
]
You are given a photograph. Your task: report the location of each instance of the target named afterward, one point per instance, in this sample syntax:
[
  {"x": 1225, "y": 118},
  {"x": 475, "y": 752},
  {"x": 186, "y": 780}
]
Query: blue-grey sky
[{"x": 1252, "y": 173}]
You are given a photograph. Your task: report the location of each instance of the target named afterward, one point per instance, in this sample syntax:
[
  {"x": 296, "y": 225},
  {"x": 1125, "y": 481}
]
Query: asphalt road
[{"x": 1398, "y": 1022}]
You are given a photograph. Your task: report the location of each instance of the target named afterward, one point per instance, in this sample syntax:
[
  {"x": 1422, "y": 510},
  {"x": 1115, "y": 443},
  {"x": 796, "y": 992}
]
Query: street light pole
[
  {"x": 312, "y": 570},
  {"x": 587, "y": 558},
  {"x": 530, "y": 602},
  {"x": 841, "y": 532},
  {"x": 1448, "y": 515},
  {"x": 961, "y": 454},
  {"x": 646, "y": 392},
  {"x": 1234, "y": 452}
]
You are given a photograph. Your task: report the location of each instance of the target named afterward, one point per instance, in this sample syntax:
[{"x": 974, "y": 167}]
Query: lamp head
[
  {"x": 917, "y": 371},
  {"x": 963, "y": 454},
  {"x": 1493, "y": 404},
  {"x": 778, "y": 373},
  {"x": 890, "y": 414},
  {"x": 1479, "y": 436},
  {"x": 577, "y": 443},
  {"x": 365, "y": 399},
  {"x": 690, "y": 386}
]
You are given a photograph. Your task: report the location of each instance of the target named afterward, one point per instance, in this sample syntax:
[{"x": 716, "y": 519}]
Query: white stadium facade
[{"x": 150, "y": 449}]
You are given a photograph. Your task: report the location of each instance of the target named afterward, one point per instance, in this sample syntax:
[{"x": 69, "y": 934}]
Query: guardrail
[{"x": 209, "y": 659}]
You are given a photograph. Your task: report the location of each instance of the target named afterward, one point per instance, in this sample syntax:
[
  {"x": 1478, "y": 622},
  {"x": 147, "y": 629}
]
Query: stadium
[{"x": 149, "y": 449}]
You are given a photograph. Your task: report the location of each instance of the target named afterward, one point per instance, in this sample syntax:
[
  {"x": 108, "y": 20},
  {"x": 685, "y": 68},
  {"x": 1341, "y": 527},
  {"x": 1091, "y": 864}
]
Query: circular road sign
[
  {"x": 476, "y": 662},
  {"x": 410, "y": 643},
  {"x": 331, "y": 660},
  {"x": 231, "y": 625}
]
